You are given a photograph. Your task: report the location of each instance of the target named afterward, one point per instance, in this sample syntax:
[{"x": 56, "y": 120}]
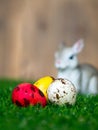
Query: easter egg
[
  {"x": 26, "y": 94},
  {"x": 62, "y": 91},
  {"x": 43, "y": 83}
]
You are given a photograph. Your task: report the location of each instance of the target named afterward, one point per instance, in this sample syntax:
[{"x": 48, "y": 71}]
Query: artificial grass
[{"x": 82, "y": 116}]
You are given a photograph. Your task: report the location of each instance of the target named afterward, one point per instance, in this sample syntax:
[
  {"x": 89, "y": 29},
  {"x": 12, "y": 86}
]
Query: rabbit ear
[
  {"x": 78, "y": 46},
  {"x": 61, "y": 45}
]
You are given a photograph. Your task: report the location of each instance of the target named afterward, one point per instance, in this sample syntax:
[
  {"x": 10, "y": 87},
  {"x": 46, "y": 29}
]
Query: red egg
[{"x": 26, "y": 94}]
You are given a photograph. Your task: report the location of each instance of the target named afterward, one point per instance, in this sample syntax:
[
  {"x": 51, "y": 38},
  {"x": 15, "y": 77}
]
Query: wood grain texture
[{"x": 31, "y": 30}]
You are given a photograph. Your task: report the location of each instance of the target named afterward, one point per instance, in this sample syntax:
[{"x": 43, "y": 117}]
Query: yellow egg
[{"x": 43, "y": 84}]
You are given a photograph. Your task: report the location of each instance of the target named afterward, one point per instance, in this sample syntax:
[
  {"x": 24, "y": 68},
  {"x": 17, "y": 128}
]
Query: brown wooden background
[{"x": 30, "y": 31}]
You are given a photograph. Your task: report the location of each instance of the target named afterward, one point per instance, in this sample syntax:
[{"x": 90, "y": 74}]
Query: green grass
[{"x": 82, "y": 116}]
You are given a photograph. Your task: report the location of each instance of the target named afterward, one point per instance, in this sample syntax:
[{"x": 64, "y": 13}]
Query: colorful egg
[
  {"x": 62, "y": 91},
  {"x": 43, "y": 83},
  {"x": 26, "y": 94}
]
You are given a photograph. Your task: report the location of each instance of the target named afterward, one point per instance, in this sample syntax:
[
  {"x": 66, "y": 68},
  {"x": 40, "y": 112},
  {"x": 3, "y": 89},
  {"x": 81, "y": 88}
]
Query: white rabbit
[{"x": 83, "y": 76}]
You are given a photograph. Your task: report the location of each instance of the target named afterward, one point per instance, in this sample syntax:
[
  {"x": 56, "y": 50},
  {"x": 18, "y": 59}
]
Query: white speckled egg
[{"x": 62, "y": 91}]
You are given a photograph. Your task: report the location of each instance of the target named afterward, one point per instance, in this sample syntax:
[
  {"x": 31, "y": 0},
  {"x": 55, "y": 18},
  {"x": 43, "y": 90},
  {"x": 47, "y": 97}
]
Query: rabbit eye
[{"x": 71, "y": 57}]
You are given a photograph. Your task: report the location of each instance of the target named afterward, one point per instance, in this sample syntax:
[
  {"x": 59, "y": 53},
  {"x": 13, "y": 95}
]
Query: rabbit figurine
[{"x": 83, "y": 76}]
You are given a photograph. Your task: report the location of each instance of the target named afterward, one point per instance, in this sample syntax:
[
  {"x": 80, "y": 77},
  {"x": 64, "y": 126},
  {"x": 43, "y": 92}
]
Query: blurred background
[{"x": 31, "y": 30}]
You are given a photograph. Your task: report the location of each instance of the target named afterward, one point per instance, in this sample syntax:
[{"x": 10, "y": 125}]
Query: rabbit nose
[{"x": 58, "y": 61}]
